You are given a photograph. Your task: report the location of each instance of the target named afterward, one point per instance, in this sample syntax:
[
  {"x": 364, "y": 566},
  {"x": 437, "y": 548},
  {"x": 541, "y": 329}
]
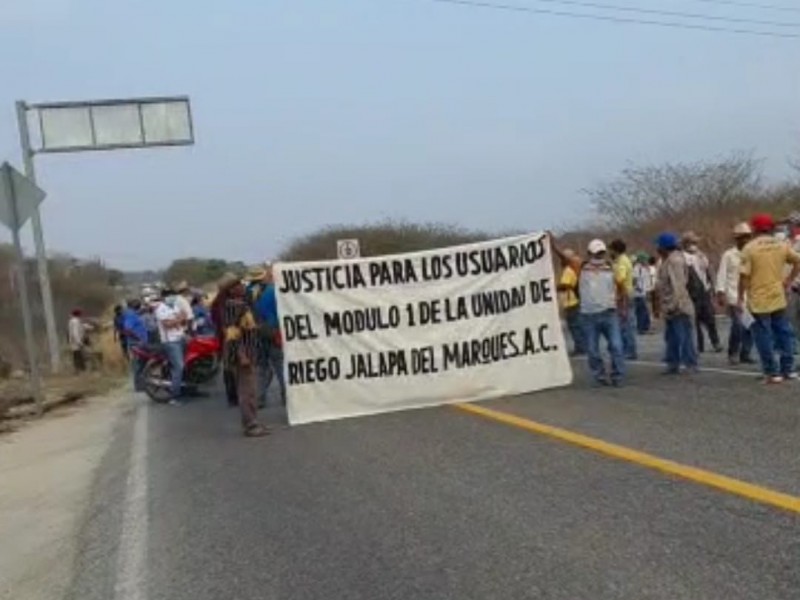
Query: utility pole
[{"x": 38, "y": 239}]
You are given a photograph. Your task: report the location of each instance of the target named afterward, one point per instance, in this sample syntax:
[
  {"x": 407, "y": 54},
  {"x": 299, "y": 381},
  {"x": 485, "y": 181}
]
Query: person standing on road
[
  {"x": 624, "y": 270},
  {"x": 603, "y": 305},
  {"x": 242, "y": 352},
  {"x": 202, "y": 318},
  {"x": 135, "y": 332},
  {"x": 119, "y": 335},
  {"x": 183, "y": 300},
  {"x": 77, "y": 338},
  {"x": 217, "y": 317},
  {"x": 652, "y": 266},
  {"x": 172, "y": 331},
  {"x": 266, "y": 309},
  {"x": 568, "y": 292},
  {"x": 700, "y": 291},
  {"x": 256, "y": 284},
  {"x": 676, "y": 305},
  {"x": 763, "y": 286},
  {"x": 740, "y": 340},
  {"x": 643, "y": 285}
]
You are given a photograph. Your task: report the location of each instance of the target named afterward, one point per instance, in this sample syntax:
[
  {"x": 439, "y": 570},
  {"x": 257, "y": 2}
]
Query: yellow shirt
[
  {"x": 623, "y": 267},
  {"x": 763, "y": 261},
  {"x": 569, "y": 278}
]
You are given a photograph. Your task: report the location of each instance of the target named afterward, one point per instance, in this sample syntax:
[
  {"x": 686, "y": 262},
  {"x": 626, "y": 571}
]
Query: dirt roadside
[{"x": 46, "y": 474}]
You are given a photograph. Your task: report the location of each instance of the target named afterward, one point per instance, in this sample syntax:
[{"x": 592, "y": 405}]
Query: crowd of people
[
  {"x": 243, "y": 316},
  {"x": 606, "y": 295}
]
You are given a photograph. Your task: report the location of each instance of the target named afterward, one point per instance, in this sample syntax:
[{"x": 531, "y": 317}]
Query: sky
[{"x": 309, "y": 113}]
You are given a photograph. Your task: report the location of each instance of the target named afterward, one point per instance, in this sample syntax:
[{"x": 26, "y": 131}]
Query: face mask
[
  {"x": 171, "y": 301},
  {"x": 691, "y": 248},
  {"x": 781, "y": 236}
]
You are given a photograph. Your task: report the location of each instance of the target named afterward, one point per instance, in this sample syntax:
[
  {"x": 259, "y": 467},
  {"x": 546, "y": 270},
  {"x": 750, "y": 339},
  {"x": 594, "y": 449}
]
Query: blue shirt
[
  {"x": 266, "y": 306},
  {"x": 202, "y": 320},
  {"x": 133, "y": 327}
]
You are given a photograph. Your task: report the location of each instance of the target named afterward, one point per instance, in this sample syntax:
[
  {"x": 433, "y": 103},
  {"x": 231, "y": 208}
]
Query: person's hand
[{"x": 721, "y": 299}]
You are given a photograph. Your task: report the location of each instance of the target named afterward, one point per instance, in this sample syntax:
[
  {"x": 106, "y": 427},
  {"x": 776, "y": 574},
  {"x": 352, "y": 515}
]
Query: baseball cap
[
  {"x": 762, "y": 223},
  {"x": 596, "y": 247}
]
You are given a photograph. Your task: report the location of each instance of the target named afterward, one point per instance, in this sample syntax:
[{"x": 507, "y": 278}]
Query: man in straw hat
[
  {"x": 700, "y": 291},
  {"x": 241, "y": 352},
  {"x": 740, "y": 341},
  {"x": 225, "y": 283}
]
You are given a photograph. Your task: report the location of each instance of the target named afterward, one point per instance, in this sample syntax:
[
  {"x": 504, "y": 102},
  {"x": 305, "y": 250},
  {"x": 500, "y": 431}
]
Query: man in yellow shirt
[
  {"x": 568, "y": 292},
  {"x": 762, "y": 281},
  {"x": 623, "y": 267}
]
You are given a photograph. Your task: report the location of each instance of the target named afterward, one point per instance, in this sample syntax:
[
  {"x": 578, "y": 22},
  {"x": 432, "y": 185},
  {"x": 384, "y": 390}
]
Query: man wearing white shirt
[
  {"x": 740, "y": 340},
  {"x": 172, "y": 329}
]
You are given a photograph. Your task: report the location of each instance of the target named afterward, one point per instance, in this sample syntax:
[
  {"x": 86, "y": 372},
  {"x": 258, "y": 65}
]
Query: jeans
[
  {"x": 628, "y": 333},
  {"x": 573, "y": 318},
  {"x": 607, "y": 325},
  {"x": 680, "y": 343},
  {"x": 174, "y": 352},
  {"x": 275, "y": 358},
  {"x": 740, "y": 339},
  {"x": 136, "y": 368},
  {"x": 642, "y": 314},
  {"x": 771, "y": 332}
]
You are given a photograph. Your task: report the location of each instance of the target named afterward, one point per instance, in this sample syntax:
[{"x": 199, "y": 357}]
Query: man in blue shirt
[
  {"x": 265, "y": 308},
  {"x": 135, "y": 334}
]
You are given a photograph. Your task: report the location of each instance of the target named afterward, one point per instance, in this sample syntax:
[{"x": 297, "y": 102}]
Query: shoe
[
  {"x": 602, "y": 381},
  {"x": 746, "y": 360},
  {"x": 175, "y": 402},
  {"x": 718, "y": 349},
  {"x": 791, "y": 376},
  {"x": 733, "y": 361},
  {"x": 773, "y": 379},
  {"x": 256, "y": 431}
]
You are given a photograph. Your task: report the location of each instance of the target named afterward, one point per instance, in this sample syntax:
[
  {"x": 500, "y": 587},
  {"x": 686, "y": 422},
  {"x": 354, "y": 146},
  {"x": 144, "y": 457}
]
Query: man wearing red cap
[{"x": 762, "y": 281}]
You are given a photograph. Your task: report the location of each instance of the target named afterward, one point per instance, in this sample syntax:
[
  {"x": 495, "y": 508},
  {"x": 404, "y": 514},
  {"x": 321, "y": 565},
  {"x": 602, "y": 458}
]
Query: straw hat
[{"x": 227, "y": 281}]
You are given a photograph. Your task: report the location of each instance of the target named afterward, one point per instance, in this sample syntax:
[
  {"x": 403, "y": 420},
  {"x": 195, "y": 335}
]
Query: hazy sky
[{"x": 311, "y": 112}]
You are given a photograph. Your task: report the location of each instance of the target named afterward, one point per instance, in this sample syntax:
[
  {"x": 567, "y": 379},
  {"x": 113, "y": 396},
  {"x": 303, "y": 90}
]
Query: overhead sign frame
[{"x": 112, "y": 124}]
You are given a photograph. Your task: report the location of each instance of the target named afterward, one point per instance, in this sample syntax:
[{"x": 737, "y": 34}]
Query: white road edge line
[
  {"x": 130, "y": 578},
  {"x": 750, "y": 374}
]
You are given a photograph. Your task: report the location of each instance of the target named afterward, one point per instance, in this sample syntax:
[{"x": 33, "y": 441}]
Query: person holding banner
[
  {"x": 241, "y": 352},
  {"x": 604, "y": 306},
  {"x": 568, "y": 290}
]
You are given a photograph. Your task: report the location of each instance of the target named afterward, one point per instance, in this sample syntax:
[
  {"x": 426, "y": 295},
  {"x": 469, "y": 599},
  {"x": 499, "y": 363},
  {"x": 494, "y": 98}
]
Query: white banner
[{"x": 389, "y": 333}]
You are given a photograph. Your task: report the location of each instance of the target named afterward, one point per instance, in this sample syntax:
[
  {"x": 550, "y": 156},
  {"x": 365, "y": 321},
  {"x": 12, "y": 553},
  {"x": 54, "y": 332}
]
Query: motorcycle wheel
[
  {"x": 157, "y": 381},
  {"x": 202, "y": 370}
]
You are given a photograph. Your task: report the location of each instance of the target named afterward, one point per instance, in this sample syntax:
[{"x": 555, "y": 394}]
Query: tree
[{"x": 642, "y": 195}]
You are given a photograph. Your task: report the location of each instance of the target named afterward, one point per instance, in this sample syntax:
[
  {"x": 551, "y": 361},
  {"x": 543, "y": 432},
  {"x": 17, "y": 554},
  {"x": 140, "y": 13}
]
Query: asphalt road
[{"x": 440, "y": 503}]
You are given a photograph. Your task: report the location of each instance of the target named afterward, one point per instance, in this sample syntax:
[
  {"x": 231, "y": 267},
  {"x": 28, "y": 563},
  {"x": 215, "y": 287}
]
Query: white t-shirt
[{"x": 167, "y": 313}]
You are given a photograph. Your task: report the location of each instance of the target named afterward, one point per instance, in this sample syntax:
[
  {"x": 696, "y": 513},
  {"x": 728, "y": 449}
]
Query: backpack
[{"x": 694, "y": 285}]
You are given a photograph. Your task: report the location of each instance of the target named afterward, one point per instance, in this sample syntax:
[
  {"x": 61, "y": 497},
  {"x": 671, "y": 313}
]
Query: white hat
[
  {"x": 597, "y": 246},
  {"x": 742, "y": 229}
]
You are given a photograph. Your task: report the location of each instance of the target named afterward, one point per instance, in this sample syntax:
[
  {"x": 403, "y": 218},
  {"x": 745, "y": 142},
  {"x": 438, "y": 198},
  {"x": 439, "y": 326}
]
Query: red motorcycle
[{"x": 200, "y": 364}]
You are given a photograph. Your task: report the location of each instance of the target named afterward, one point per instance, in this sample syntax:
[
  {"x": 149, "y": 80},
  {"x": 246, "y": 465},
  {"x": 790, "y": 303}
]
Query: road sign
[
  {"x": 27, "y": 195},
  {"x": 19, "y": 199},
  {"x": 347, "y": 249}
]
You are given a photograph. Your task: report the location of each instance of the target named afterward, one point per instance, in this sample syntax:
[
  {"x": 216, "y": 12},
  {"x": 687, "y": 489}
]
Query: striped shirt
[{"x": 241, "y": 333}]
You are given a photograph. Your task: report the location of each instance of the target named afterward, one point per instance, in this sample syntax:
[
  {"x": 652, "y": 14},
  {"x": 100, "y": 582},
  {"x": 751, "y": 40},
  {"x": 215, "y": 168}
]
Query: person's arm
[
  {"x": 744, "y": 277},
  {"x": 722, "y": 279},
  {"x": 793, "y": 258}
]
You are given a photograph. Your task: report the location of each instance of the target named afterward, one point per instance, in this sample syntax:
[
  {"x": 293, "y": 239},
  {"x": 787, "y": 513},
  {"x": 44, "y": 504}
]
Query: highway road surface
[{"x": 669, "y": 488}]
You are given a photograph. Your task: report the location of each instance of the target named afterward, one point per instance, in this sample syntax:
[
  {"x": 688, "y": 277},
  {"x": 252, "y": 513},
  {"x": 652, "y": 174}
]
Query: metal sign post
[
  {"x": 19, "y": 200},
  {"x": 94, "y": 125}
]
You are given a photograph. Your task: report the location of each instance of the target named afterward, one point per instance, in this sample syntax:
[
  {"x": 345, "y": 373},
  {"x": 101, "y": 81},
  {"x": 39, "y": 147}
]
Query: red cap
[{"x": 762, "y": 223}]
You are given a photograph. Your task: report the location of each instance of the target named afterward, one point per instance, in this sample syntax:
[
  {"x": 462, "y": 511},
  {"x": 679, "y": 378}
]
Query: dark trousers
[
  {"x": 79, "y": 360},
  {"x": 229, "y": 379},
  {"x": 573, "y": 318},
  {"x": 740, "y": 339},
  {"x": 704, "y": 317},
  {"x": 679, "y": 342},
  {"x": 642, "y": 314},
  {"x": 772, "y": 333}
]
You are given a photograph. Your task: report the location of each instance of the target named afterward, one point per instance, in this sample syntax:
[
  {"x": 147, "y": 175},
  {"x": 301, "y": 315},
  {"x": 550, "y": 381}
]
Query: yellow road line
[{"x": 714, "y": 480}]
